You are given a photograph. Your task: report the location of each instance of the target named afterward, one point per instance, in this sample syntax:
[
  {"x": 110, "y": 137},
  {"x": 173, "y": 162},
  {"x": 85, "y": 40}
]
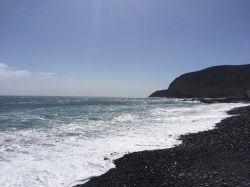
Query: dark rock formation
[{"x": 214, "y": 82}]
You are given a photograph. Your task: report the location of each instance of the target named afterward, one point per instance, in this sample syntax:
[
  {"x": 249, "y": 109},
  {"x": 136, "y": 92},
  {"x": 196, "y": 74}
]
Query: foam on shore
[{"x": 65, "y": 155}]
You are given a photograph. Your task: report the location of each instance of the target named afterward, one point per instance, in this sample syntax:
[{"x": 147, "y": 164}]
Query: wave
[{"x": 74, "y": 150}]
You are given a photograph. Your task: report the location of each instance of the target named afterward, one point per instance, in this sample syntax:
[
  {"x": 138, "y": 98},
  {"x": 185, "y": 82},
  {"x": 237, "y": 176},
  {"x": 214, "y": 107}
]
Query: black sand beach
[{"x": 218, "y": 157}]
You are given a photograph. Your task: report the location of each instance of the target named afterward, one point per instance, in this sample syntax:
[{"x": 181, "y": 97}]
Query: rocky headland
[
  {"x": 218, "y": 157},
  {"x": 226, "y": 81}
]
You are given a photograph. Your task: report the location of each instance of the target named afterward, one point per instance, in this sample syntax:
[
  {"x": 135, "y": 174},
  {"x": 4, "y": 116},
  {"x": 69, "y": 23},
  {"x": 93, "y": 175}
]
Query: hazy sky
[{"x": 115, "y": 47}]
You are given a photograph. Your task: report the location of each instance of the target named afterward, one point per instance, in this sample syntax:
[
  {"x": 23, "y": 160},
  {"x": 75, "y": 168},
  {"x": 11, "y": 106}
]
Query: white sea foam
[{"x": 69, "y": 153}]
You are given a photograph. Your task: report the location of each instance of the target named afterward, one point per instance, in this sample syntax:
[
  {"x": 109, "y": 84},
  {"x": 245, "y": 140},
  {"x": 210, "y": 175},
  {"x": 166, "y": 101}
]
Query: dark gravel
[{"x": 218, "y": 157}]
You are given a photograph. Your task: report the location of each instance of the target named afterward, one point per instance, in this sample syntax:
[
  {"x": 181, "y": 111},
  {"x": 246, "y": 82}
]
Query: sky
[{"x": 121, "y": 48}]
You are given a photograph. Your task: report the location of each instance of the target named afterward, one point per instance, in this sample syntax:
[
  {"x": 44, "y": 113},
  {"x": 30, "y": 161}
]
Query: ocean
[{"x": 63, "y": 141}]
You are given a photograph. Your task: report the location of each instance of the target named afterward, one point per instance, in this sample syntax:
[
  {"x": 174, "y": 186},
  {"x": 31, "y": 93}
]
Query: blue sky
[{"x": 119, "y": 48}]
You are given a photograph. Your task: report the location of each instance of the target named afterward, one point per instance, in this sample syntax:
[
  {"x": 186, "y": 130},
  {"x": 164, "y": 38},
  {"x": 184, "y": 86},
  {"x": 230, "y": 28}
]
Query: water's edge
[
  {"x": 62, "y": 141},
  {"x": 117, "y": 162}
]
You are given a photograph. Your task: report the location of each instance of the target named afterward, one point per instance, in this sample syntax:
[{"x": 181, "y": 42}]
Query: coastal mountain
[{"x": 213, "y": 82}]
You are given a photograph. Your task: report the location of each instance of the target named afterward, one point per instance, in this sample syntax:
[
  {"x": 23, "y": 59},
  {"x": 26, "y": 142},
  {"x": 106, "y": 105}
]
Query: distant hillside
[{"x": 213, "y": 82}]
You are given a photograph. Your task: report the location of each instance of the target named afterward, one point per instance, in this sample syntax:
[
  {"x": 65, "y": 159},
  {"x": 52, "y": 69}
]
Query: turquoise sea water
[{"x": 60, "y": 141}]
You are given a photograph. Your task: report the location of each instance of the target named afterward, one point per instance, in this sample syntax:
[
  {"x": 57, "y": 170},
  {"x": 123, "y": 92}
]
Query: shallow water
[{"x": 60, "y": 141}]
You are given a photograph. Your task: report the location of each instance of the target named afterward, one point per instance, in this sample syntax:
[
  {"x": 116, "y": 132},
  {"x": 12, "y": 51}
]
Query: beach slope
[{"x": 218, "y": 157}]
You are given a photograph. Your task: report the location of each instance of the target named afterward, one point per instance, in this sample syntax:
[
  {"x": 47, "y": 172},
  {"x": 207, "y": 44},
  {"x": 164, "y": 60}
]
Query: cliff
[{"x": 214, "y": 82}]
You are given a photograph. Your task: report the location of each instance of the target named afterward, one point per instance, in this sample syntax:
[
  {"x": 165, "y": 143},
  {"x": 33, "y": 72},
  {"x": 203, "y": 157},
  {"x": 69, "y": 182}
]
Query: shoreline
[{"x": 216, "y": 157}]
